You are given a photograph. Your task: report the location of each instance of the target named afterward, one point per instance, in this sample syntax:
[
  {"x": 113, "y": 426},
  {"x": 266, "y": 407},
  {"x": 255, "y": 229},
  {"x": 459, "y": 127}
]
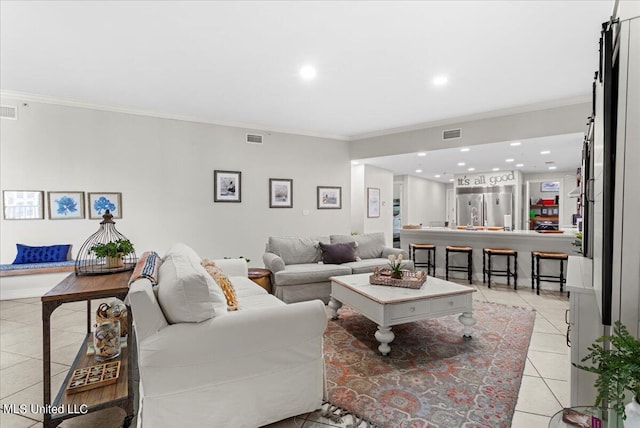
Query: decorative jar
[{"x": 106, "y": 340}]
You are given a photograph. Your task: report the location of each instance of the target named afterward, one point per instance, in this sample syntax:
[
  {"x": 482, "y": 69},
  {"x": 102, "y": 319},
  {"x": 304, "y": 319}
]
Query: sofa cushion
[
  {"x": 294, "y": 250},
  {"x": 186, "y": 292},
  {"x": 223, "y": 282},
  {"x": 259, "y": 301},
  {"x": 245, "y": 287},
  {"x": 369, "y": 265},
  {"x": 370, "y": 245},
  {"x": 308, "y": 273},
  {"x": 338, "y": 253}
]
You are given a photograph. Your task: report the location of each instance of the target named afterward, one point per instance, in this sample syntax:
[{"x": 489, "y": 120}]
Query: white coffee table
[{"x": 388, "y": 306}]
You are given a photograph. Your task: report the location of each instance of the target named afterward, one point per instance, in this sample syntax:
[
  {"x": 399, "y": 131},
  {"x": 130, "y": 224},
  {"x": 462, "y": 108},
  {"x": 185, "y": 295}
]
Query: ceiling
[
  {"x": 238, "y": 62},
  {"x": 565, "y": 153}
]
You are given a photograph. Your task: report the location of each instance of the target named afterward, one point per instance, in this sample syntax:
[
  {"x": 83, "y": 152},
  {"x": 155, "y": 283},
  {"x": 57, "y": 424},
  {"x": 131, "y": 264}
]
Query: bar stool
[
  {"x": 460, "y": 268},
  {"x": 430, "y": 264},
  {"x": 536, "y": 256},
  {"x": 488, "y": 270}
]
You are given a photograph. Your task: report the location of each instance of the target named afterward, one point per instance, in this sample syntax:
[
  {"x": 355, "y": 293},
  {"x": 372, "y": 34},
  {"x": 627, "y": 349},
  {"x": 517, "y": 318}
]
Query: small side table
[{"x": 262, "y": 277}]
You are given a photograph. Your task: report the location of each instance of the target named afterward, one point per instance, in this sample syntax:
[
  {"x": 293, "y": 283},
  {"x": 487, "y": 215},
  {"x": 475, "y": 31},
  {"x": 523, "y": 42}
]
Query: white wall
[
  {"x": 362, "y": 178},
  {"x": 164, "y": 169},
  {"x": 426, "y": 201}
]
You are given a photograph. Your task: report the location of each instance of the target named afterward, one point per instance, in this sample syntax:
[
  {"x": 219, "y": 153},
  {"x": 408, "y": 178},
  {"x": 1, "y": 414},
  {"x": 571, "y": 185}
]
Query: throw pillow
[
  {"x": 223, "y": 282},
  {"x": 43, "y": 254},
  {"x": 338, "y": 253},
  {"x": 186, "y": 292}
]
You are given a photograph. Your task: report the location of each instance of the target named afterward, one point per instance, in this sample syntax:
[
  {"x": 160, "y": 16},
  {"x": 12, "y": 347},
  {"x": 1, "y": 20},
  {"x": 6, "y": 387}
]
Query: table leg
[
  {"x": 334, "y": 305},
  {"x": 384, "y": 335},
  {"x": 467, "y": 321}
]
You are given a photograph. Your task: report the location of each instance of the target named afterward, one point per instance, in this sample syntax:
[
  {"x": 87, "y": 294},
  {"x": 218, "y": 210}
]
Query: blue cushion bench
[{"x": 35, "y": 268}]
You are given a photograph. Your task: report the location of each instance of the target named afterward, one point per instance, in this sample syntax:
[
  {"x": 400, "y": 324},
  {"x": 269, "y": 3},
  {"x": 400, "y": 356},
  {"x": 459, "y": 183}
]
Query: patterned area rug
[{"x": 432, "y": 377}]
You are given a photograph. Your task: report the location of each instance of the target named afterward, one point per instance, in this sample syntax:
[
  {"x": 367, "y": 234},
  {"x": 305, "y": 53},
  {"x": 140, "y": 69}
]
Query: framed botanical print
[
  {"x": 373, "y": 202},
  {"x": 66, "y": 205},
  {"x": 329, "y": 197},
  {"x": 100, "y": 202},
  {"x": 23, "y": 204},
  {"x": 280, "y": 193},
  {"x": 227, "y": 186}
]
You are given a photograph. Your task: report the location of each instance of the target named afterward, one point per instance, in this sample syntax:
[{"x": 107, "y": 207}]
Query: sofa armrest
[
  {"x": 387, "y": 251},
  {"x": 242, "y": 344},
  {"x": 273, "y": 262},
  {"x": 233, "y": 267}
]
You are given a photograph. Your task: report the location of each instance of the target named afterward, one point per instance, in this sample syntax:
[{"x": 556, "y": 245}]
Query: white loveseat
[{"x": 246, "y": 368}]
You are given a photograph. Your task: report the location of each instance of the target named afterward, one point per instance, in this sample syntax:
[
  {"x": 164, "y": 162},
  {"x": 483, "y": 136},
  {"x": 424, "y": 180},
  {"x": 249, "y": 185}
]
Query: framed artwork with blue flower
[
  {"x": 100, "y": 202},
  {"x": 66, "y": 205}
]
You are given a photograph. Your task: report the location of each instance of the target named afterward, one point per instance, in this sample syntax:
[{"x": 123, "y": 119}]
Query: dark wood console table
[{"x": 78, "y": 288}]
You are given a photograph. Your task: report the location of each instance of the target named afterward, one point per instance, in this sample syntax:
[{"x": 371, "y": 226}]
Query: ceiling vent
[
  {"x": 8, "y": 112},
  {"x": 451, "y": 134},
  {"x": 254, "y": 138}
]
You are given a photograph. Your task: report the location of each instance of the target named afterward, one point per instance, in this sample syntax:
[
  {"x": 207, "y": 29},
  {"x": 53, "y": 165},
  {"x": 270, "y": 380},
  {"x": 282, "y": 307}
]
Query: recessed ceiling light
[
  {"x": 355, "y": 163},
  {"x": 509, "y": 160},
  {"x": 418, "y": 171},
  {"x": 440, "y": 80},
  {"x": 553, "y": 167},
  {"x": 495, "y": 169},
  {"x": 545, "y": 152},
  {"x": 472, "y": 169},
  {"x": 308, "y": 72},
  {"x": 519, "y": 165},
  {"x": 515, "y": 143},
  {"x": 461, "y": 164},
  {"x": 422, "y": 154},
  {"x": 451, "y": 179},
  {"x": 465, "y": 149},
  {"x": 437, "y": 176}
]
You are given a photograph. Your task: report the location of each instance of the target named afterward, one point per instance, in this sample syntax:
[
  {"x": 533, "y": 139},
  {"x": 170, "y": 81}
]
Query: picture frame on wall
[
  {"x": 373, "y": 202},
  {"x": 100, "y": 202},
  {"x": 23, "y": 204},
  {"x": 227, "y": 186},
  {"x": 280, "y": 193},
  {"x": 66, "y": 205},
  {"x": 550, "y": 186},
  {"x": 329, "y": 197}
]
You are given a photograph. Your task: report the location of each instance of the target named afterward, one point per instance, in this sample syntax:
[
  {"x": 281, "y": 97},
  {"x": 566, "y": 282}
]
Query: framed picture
[
  {"x": 373, "y": 202},
  {"x": 66, "y": 205},
  {"x": 227, "y": 186},
  {"x": 23, "y": 204},
  {"x": 329, "y": 197},
  {"x": 544, "y": 211},
  {"x": 550, "y": 186},
  {"x": 280, "y": 193},
  {"x": 100, "y": 202}
]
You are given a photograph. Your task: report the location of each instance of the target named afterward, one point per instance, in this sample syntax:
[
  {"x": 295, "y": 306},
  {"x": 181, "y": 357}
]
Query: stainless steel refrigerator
[{"x": 474, "y": 205}]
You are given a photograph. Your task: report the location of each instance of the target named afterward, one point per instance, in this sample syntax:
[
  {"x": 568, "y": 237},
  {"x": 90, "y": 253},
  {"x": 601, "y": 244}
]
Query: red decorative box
[{"x": 548, "y": 201}]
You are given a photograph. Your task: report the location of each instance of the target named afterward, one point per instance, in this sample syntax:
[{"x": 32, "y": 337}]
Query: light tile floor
[{"x": 544, "y": 389}]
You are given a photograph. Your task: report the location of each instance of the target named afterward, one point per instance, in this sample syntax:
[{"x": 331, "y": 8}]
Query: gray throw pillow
[{"x": 338, "y": 253}]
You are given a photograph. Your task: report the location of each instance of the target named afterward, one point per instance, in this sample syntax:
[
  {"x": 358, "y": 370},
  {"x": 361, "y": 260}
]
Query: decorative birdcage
[{"x": 106, "y": 251}]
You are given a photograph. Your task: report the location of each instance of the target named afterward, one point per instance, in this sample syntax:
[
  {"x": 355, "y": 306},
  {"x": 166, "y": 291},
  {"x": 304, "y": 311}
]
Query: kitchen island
[{"x": 523, "y": 241}]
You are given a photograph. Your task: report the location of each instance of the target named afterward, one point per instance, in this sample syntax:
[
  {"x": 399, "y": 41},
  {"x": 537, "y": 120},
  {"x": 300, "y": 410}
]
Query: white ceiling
[
  {"x": 237, "y": 62},
  {"x": 565, "y": 154}
]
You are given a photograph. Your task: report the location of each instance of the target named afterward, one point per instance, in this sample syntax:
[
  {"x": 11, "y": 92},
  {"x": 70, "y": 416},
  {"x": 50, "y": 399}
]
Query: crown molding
[
  {"x": 28, "y": 97},
  {"x": 478, "y": 116}
]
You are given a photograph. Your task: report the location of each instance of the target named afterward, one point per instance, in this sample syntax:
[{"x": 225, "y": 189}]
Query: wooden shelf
[{"x": 544, "y": 206}]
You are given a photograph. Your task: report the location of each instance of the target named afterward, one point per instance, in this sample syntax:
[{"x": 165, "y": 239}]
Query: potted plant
[
  {"x": 396, "y": 266},
  {"x": 113, "y": 252},
  {"x": 618, "y": 368}
]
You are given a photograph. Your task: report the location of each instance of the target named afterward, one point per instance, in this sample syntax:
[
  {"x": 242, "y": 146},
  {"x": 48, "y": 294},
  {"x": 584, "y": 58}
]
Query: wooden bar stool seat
[
  {"x": 459, "y": 268},
  {"x": 488, "y": 269},
  {"x": 536, "y": 276},
  {"x": 430, "y": 264}
]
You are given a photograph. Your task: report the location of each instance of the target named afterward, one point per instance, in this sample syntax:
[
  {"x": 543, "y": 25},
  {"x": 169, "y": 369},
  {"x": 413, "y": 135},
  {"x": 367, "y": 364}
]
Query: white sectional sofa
[
  {"x": 299, "y": 272},
  {"x": 246, "y": 368}
]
